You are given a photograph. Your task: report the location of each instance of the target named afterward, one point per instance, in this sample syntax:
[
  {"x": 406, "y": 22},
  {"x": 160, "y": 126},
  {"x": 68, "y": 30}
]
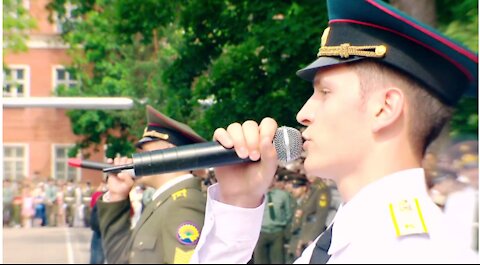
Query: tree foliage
[
  {"x": 208, "y": 63},
  {"x": 244, "y": 56},
  {"x": 119, "y": 48},
  {"x": 16, "y": 25},
  {"x": 460, "y": 22}
]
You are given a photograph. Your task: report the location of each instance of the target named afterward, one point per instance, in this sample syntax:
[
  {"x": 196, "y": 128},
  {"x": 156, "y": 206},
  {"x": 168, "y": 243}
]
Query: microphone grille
[{"x": 288, "y": 144}]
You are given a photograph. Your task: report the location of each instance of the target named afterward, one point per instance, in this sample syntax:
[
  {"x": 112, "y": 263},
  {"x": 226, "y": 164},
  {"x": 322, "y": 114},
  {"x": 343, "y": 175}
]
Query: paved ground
[{"x": 46, "y": 245}]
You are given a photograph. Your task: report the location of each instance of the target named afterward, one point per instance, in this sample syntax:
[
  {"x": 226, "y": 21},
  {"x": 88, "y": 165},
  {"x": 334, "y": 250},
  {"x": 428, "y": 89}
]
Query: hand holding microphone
[
  {"x": 287, "y": 142},
  {"x": 245, "y": 186}
]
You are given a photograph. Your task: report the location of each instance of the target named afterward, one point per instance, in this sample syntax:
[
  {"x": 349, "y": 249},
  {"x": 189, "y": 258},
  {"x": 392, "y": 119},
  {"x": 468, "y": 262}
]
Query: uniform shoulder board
[{"x": 407, "y": 217}]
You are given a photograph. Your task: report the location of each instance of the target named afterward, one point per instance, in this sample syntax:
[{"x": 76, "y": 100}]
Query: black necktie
[{"x": 320, "y": 253}]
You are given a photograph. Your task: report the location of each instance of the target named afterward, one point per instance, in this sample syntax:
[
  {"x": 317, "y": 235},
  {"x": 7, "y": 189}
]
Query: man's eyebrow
[
  {"x": 321, "y": 81},
  {"x": 317, "y": 82}
]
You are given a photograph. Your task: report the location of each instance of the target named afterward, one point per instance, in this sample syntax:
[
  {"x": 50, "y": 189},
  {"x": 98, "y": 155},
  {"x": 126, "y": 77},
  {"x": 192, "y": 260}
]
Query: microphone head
[{"x": 288, "y": 143}]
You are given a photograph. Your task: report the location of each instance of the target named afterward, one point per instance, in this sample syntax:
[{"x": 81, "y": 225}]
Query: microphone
[
  {"x": 287, "y": 141},
  {"x": 76, "y": 162}
]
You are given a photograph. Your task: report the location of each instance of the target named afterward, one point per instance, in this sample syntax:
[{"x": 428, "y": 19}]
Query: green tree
[
  {"x": 16, "y": 25},
  {"x": 243, "y": 55},
  {"x": 208, "y": 62},
  {"x": 119, "y": 48},
  {"x": 460, "y": 22}
]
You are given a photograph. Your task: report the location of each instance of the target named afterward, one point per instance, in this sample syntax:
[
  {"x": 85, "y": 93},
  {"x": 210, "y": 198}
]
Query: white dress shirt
[{"x": 392, "y": 220}]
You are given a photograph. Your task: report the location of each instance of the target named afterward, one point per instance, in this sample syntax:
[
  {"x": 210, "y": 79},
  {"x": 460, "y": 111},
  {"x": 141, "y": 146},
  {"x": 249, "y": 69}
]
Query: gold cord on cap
[
  {"x": 155, "y": 134},
  {"x": 345, "y": 50}
]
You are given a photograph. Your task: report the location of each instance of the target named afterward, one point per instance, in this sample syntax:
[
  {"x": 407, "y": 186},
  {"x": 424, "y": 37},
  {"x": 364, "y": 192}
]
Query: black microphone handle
[
  {"x": 100, "y": 166},
  {"x": 184, "y": 158},
  {"x": 94, "y": 165}
]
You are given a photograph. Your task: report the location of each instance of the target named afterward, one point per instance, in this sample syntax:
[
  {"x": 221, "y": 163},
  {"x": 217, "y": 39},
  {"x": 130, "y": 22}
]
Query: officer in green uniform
[
  {"x": 52, "y": 205},
  {"x": 170, "y": 225},
  {"x": 69, "y": 199},
  {"x": 277, "y": 216},
  {"x": 315, "y": 209},
  {"x": 86, "y": 199},
  {"x": 299, "y": 189},
  {"x": 8, "y": 195}
]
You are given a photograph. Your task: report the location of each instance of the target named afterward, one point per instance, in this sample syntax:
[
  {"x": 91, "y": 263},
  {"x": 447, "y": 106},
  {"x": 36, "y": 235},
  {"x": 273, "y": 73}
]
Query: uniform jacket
[
  {"x": 315, "y": 211},
  {"x": 392, "y": 220},
  {"x": 167, "y": 232}
]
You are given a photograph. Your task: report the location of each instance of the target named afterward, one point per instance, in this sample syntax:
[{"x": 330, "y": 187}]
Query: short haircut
[{"x": 427, "y": 116}]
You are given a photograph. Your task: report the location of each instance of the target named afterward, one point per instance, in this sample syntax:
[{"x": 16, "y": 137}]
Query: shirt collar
[
  {"x": 362, "y": 211},
  {"x": 170, "y": 184}
]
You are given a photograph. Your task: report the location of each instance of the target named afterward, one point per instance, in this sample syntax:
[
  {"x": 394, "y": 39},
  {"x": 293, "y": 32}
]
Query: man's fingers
[
  {"x": 221, "y": 135},
  {"x": 236, "y": 133},
  {"x": 252, "y": 139}
]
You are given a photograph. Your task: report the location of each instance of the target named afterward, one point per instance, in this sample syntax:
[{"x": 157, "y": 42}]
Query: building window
[
  {"x": 61, "y": 168},
  {"x": 16, "y": 82},
  {"x": 14, "y": 162},
  {"x": 61, "y": 22},
  {"x": 64, "y": 77}
]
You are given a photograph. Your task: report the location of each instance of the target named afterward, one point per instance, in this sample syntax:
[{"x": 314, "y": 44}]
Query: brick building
[{"x": 36, "y": 140}]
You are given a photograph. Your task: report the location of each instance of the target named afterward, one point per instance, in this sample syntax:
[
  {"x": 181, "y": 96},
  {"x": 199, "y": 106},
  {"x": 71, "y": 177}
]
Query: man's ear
[{"x": 388, "y": 107}]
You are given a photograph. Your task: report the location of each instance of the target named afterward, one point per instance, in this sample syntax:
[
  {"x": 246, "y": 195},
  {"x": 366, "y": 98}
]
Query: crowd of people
[
  {"x": 32, "y": 203},
  {"x": 298, "y": 207}
]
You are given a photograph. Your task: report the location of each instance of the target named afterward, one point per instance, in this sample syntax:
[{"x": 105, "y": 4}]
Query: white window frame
[
  {"x": 26, "y": 80},
  {"x": 78, "y": 172},
  {"x": 55, "y": 82},
  {"x": 25, "y": 159}
]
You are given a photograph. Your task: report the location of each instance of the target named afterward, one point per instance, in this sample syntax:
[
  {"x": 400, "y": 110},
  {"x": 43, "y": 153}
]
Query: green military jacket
[
  {"x": 294, "y": 229},
  {"x": 167, "y": 232},
  {"x": 278, "y": 211},
  {"x": 315, "y": 211}
]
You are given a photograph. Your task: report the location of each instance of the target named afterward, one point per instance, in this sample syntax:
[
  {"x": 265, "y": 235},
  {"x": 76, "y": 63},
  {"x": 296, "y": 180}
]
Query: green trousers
[{"x": 270, "y": 248}]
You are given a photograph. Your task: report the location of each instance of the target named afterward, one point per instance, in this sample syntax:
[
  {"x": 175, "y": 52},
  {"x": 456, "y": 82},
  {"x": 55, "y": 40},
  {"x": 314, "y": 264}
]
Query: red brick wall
[{"x": 41, "y": 128}]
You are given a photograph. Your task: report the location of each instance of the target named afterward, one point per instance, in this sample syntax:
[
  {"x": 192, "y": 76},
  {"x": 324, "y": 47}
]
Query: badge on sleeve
[
  {"x": 407, "y": 217},
  {"x": 188, "y": 233}
]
